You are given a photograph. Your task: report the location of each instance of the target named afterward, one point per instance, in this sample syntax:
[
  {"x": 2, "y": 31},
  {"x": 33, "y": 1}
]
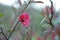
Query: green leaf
[
  {"x": 1, "y": 14},
  {"x": 9, "y": 30}
]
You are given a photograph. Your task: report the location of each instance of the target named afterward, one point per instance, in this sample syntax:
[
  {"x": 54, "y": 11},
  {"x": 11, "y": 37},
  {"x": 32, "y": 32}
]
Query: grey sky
[{"x": 56, "y": 3}]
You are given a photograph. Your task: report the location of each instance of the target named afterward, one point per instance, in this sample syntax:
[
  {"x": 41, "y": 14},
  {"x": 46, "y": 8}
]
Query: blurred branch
[
  {"x": 31, "y": 1},
  {"x": 13, "y": 30},
  {"x": 28, "y": 36},
  {"x": 45, "y": 36},
  {"x": 50, "y": 20},
  {"x": 17, "y": 21},
  {"x": 47, "y": 33},
  {"x": 52, "y": 12},
  {"x": 20, "y": 2},
  {"x": 3, "y": 33},
  {"x": 38, "y": 2},
  {"x": 0, "y": 39},
  {"x": 26, "y": 6}
]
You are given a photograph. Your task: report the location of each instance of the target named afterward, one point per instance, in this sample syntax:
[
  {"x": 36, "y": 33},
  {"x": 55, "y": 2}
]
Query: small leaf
[
  {"x": 9, "y": 30},
  {"x": 1, "y": 14}
]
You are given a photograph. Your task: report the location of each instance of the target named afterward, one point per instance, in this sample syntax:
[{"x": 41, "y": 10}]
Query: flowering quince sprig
[{"x": 24, "y": 19}]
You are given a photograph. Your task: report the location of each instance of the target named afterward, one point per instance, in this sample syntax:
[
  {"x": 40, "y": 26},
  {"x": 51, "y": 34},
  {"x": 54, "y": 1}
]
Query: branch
[
  {"x": 45, "y": 36},
  {"x": 3, "y": 33},
  {"x": 37, "y": 2},
  {"x": 20, "y": 2},
  {"x": 28, "y": 36},
  {"x": 0, "y": 39},
  {"x": 13, "y": 29},
  {"x": 47, "y": 33},
  {"x": 52, "y": 12},
  {"x": 50, "y": 19},
  {"x": 26, "y": 6}
]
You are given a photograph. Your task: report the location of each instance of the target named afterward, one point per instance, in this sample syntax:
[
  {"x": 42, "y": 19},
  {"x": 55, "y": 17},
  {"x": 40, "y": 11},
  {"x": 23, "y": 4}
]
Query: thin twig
[
  {"x": 50, "y": 19},
  {"x": 37, "y": 2},
  {"x": 52, "y": 12},
  {"x": 20, "y": 2},
  {"x": 3, "y": 34},
  {"x": 45, "y": 36},
  {"x": 27, "y": 38},
  {"x": 30, "y": 3},
  {"x": 29, "y": 34},
  {"x": 26, "y": 6},
  {"x": 13, "y": 30}
]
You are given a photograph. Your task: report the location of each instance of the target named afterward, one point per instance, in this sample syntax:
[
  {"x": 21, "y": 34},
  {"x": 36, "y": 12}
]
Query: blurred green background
[{"x": 9, "y": 16}]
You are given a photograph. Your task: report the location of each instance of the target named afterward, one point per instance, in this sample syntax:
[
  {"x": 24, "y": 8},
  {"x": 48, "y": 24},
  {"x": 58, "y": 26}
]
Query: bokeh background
[{"x": 9, "y": 11}]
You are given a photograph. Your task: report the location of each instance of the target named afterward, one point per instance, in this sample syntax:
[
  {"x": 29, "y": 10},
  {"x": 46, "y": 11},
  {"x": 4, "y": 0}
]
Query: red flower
[{"x": 24, "y": 18}]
